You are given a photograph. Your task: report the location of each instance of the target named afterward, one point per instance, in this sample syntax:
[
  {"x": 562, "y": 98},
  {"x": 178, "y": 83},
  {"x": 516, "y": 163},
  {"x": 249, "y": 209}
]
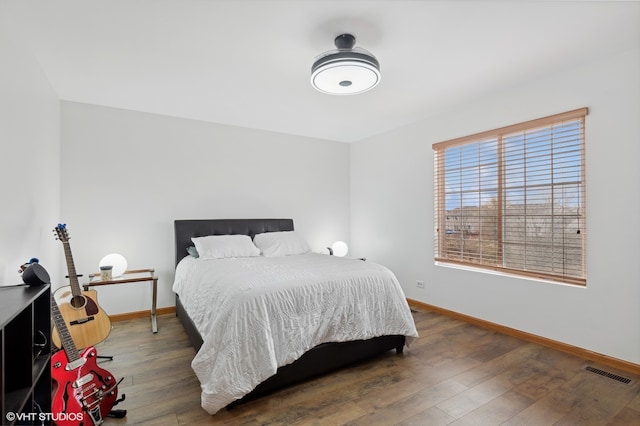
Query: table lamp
[
  {"x": 117, "y": 261},
  {"x": 339, "y": 248}
]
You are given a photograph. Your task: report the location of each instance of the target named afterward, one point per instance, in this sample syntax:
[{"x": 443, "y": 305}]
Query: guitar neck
[
  {"x": 71, "y": 269},
  {"x": 65, "y": 336}
]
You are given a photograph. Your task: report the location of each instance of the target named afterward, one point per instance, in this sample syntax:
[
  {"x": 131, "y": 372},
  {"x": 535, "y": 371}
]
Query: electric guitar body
[
  {"x": 84, "y": 393},
  {"x": 86, "y": 321}
]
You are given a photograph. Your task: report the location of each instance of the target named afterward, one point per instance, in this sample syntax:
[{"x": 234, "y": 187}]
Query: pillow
[
  {"x": 283, "y": 243},
  {"x": 222, "y": 246},
  {"x": 193, "y": 252}
]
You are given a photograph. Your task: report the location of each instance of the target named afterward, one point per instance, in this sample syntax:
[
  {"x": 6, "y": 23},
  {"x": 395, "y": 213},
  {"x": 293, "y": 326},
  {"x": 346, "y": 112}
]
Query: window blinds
[{"x": 513, "y": 199}]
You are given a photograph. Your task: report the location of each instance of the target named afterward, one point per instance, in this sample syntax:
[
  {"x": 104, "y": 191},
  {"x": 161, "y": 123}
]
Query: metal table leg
[{"x": 154, "y": 321}]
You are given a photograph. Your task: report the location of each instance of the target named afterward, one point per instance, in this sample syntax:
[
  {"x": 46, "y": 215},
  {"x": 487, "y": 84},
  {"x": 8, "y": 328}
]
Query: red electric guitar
[{"x": 84, "y": 393}]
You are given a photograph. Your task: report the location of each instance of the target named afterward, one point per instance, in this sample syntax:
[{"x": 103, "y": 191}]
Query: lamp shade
[
  {"x": 116, "y": 260},
  {"x": 340, "y": 248}
]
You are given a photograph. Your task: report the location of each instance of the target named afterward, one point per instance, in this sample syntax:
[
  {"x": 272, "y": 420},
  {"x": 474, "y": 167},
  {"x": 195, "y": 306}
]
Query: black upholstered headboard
[{"x": 185, "y": 229}]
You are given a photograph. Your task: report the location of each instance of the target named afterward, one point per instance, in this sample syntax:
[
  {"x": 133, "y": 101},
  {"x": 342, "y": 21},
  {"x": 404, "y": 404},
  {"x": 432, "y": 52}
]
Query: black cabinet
[{"x": 25, "y": 354}]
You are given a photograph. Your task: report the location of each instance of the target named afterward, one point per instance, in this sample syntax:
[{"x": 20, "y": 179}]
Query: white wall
[
  {"x": 29, "y": 159},
  {"x": 126, "y": 176},
  {"x": 392, "y": 211}
]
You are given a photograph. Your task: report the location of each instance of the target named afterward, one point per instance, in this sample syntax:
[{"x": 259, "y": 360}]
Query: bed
[{"x": 310, "y": 354}]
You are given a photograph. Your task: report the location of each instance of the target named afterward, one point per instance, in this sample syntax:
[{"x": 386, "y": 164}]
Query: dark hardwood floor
[{"x": 455, "y": 373}]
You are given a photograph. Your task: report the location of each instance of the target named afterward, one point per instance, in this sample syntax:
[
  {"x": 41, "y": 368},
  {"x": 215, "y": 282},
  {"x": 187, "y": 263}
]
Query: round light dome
[
  {"x": 345, "y": 71},
  {"x": 116, "y": 260},
  {"x": 340, "y": 248}
]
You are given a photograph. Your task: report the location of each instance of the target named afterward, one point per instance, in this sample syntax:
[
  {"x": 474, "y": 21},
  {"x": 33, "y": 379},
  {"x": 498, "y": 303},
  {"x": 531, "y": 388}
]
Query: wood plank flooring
[{"x": 455, "y": 373}]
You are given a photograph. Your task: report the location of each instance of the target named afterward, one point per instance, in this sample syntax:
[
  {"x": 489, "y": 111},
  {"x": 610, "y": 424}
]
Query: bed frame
[{"x": 319, "y": 360}]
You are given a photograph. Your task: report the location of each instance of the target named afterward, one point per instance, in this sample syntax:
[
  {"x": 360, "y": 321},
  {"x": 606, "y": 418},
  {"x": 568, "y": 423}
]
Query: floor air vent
[{"x": 621, "y": 379}]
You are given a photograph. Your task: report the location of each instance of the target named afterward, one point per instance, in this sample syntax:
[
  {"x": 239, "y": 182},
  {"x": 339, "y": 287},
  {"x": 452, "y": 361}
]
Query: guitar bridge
[{"x": 81, "y": 321}]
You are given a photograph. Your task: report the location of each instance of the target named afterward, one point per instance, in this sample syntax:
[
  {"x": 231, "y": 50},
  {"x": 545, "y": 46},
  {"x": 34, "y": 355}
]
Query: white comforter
[{"x": 256, "y": 314}]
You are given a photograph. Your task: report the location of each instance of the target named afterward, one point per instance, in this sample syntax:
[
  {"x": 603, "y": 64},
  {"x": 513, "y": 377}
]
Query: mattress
[{"x": 256, "y": 314}]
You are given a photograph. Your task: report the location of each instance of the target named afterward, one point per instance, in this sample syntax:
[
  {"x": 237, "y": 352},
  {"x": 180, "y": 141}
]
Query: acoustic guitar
[
  {"x": 86, "y": 321},
  {"x": 84, "y": 393}
]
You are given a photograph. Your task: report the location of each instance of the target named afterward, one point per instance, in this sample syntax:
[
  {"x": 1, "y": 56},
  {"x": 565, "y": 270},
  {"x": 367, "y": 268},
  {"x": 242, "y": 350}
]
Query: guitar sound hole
[{"x": 77, "y": 302}]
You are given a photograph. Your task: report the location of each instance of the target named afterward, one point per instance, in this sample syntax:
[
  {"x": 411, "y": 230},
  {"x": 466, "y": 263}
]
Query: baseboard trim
[
  {"x": 141, "y": 314},
  {"x": 554, "y": 344}
]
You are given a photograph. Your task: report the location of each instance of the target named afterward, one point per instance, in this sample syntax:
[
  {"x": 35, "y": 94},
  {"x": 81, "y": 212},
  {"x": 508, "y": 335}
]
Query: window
[{"x": 512, "y": 199}]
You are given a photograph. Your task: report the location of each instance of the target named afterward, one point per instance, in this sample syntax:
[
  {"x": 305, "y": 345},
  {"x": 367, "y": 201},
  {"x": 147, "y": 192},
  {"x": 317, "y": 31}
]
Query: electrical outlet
[{"x": 420, "y": 284}]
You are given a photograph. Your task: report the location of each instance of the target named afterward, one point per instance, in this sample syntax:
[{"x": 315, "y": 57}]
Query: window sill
[{"x": 505, "y": 274}]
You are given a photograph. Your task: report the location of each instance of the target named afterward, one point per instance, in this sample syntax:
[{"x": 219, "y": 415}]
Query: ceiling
[{"x": 247, "y": 63}]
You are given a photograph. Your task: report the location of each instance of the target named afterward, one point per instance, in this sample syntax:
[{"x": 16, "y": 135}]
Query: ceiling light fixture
[{"x": 348, "y": 70}]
